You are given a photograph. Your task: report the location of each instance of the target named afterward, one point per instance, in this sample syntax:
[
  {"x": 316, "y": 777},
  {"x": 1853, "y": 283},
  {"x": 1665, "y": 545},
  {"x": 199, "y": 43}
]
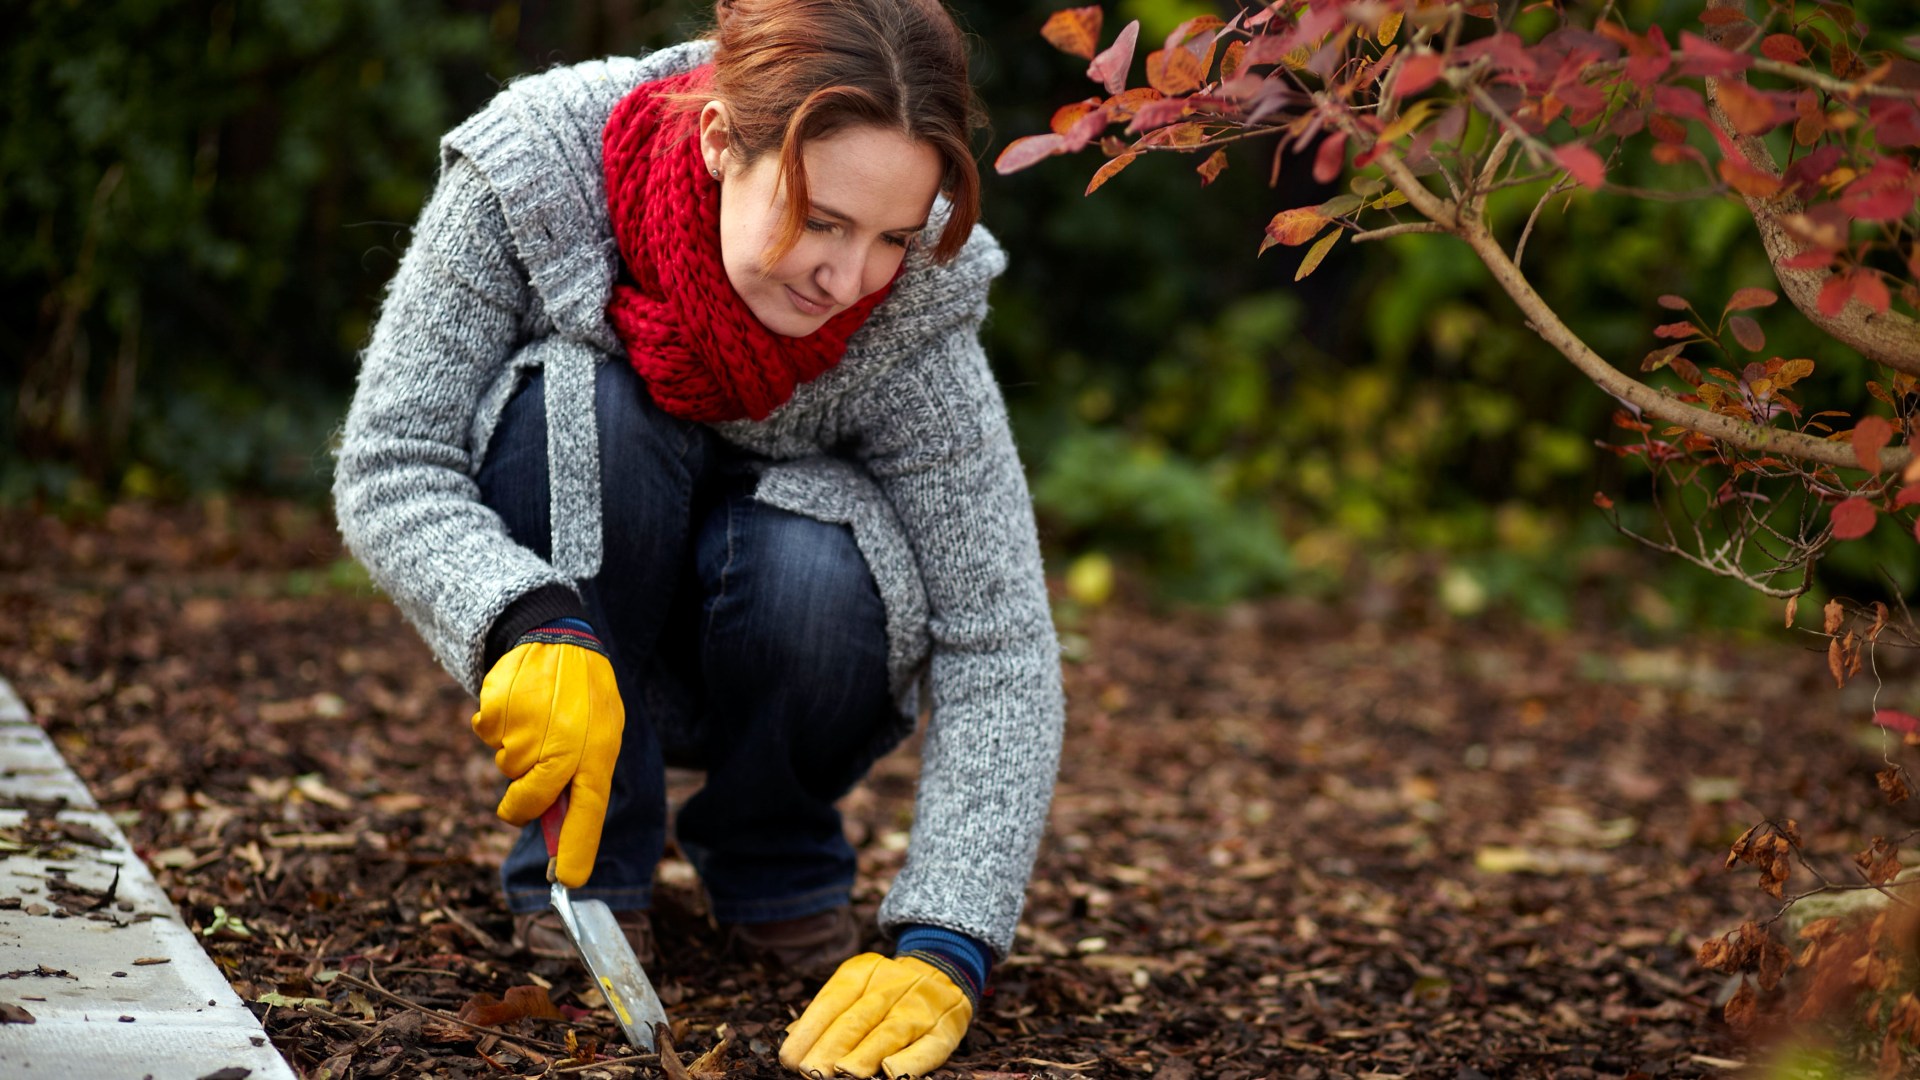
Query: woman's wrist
[
  {"x": 966, "y": 961},
  {"x": 544, "y": 605}
]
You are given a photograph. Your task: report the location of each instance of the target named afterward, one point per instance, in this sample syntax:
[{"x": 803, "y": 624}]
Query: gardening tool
[{"x": 605, "y": 950}]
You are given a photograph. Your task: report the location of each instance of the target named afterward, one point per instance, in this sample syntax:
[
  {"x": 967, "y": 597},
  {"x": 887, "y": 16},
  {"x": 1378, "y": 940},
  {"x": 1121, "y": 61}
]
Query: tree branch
[
  {"x": 1892, "y": 339},
  {"x": 1546, "y": 322}
]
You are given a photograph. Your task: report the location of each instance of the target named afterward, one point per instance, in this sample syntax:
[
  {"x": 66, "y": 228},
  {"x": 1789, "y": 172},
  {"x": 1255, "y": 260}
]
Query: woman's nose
[{"x": 840, "y": 276}]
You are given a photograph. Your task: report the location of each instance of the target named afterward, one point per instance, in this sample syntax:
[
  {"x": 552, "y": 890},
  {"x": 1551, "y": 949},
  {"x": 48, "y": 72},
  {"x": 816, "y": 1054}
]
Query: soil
[{"x": 1287, "y": 841}]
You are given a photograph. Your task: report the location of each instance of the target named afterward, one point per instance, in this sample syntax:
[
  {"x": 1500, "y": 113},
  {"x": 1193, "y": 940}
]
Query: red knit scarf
[{"x": 702, "y": 352}]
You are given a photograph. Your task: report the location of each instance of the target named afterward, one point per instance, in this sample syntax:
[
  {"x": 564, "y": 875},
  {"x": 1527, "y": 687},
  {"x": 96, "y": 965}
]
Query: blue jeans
[{"x": 746, "y": 641}]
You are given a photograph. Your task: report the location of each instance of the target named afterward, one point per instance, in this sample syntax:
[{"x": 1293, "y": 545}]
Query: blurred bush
[{"x": 201, "y": 201}]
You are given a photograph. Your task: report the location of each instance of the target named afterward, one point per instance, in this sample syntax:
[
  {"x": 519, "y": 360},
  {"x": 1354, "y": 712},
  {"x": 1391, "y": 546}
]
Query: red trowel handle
[{"x": 550, "y": 830}]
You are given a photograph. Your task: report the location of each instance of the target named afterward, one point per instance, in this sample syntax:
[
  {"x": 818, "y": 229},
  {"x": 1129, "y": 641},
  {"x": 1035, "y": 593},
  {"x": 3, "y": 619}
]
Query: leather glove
[
  {"x": 900, "y": 1017},
  {"x": 552, "y": 714}
]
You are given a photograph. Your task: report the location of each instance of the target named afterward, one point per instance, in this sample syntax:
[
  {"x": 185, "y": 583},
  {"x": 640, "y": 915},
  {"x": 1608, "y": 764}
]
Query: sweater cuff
[
  {"x": 962, "y": 959},
  {"x": 548, "y": 603}
]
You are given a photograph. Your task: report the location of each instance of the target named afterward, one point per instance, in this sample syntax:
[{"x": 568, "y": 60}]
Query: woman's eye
[
  {"x": 900, "y": 241},
  {"x": 819, "y": 226}
]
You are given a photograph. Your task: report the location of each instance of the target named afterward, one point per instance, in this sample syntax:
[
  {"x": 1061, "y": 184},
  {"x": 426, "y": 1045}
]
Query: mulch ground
[{"x": 1287, "y": 841}]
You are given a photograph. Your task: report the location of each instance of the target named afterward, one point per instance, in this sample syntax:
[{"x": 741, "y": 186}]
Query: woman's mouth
[{"x": 811, "y": 308}]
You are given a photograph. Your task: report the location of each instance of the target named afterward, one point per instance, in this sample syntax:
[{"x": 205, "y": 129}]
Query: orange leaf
[
  {"x": 1294, "y": 227},
  {"x": 1870, "y": 436},
  {"x": 1075, "y": 30},
  {"x": 1107, "y": 172},
  {"x": 1746, "y": 179},
  {"x": 1750, "y": 111},
  {"x": 1853, "y": 519},
  {"x": 522, "y": 1002},
  {"x": 1211, "y": 168},
  {"x": 1174, "y": 71},
  {"x": 1067, "y": 115}
]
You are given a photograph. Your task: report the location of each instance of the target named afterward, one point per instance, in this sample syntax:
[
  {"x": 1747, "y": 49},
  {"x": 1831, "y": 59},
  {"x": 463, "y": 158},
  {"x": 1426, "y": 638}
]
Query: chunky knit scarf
[{"x": 702, "y": 352}]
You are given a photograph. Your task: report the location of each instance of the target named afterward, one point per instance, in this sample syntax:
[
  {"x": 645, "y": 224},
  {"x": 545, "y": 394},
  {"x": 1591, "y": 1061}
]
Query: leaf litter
[{"x": 1287, "y": 840}]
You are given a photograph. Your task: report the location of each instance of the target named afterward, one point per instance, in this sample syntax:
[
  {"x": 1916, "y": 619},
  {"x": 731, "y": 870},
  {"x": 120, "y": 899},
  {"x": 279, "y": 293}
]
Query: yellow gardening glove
[
  {"x": 552, "y": 714},
  {"x": 898, "y": 1017}
]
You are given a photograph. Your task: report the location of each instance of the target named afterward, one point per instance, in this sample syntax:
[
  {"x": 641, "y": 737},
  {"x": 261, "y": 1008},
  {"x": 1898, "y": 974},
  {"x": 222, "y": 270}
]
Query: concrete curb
[{"x": 116, "y": 987}]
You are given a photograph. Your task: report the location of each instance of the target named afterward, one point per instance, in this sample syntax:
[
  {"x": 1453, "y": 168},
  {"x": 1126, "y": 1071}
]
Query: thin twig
[
  {"x": 1388, "y": 231},
  {"x": 1831, "y": 85},
  {"x": 506, "y": 1036}
]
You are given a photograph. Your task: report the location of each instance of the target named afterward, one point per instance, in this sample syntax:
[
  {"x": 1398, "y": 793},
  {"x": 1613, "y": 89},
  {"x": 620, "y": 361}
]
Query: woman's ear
[{"x": 715, "y": 142}]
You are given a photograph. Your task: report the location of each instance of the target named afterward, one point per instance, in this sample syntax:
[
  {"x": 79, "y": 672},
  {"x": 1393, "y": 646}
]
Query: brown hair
[{"x": 793, "y": 70}]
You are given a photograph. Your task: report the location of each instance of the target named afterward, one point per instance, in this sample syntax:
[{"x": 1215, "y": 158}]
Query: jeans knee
[{"x": 795, "y": 594}]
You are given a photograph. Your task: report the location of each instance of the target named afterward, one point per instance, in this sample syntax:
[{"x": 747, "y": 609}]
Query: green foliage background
[{"x": 200, "y": 203}]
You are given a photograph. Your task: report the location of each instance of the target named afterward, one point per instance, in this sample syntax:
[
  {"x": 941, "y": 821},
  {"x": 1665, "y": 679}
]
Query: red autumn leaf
[
  {"x": 1109, "y": 69},
  {"x": 1157, "y": 113},
  {"x": 1895, "y": 122},
  {"x": 1681, "y": 101},
  {"x": 1895, "y": 720},
  {"x": 1672, "y": 302},
  {"x": 1651, "y": 59},
  {"x": 1871, "y": 289},
  {"x": 1853, "y": 519},
  {"x": 1328, "y": 159},
  {"x": 1884, "y": 193},
  {"x": 1814, "y": 258},
  {"x": 1783, "y": 47},
  {"x": 1417, "y": 72},
  {"x": 1835, "y": 294},
  {"x": 1026, "y": 150},
  {"x": 1074, "y": 30},
  {"x": 1600, "y": 500},
  {"x": 1907, "y": 497},
  {"x": 1870, "y": 436},
  {"x": 1698, "y": 56},
  {"x": 1675, "y": 330},
  {"x": 1582, "y": 164},
  {"x": 1749, "y": 298},
  {"x": 1747, "y": 333}
]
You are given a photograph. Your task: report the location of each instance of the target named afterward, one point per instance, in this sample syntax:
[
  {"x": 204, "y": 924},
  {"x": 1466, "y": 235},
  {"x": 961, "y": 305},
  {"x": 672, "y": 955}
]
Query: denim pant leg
[
  {"x": 650, "y": 465},
  {"x": 793, "y": 652}
]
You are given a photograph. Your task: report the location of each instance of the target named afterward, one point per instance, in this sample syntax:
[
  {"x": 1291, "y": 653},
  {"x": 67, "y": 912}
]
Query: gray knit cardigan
[{"x": 906, "y": 441}]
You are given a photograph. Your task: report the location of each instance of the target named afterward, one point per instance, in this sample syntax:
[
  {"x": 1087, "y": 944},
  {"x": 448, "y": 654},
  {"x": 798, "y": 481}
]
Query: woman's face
[{"x": 870, "y": 191}]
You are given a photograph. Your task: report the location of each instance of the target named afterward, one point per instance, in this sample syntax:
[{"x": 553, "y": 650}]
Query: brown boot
[
  {"x": 543, "y": 935},
  {"x": 811, "y": 945}
]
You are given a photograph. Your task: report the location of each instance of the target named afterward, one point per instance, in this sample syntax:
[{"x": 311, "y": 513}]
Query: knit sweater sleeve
[
  {"x": 940, "y": 448},
  {"x": 404, "y": 491}
]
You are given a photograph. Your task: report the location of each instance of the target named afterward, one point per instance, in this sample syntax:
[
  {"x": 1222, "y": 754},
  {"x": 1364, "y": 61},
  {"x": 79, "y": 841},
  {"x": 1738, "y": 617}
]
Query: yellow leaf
[
  {"x": 1295, "y": 227},
  {"x": 1409, "y": 120},
  {"x": 1389, "y": 26},
  {"x": 1316, "y": 253}
]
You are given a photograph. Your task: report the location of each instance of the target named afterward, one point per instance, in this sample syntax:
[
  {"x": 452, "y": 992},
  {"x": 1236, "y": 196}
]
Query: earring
[{"x": 715, "y": 172}]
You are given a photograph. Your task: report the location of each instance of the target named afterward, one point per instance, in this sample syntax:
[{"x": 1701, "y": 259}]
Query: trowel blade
[{"x": 615, "y": 970}]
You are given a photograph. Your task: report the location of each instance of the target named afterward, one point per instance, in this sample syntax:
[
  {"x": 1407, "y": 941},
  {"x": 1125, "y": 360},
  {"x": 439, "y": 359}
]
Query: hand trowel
[{"x": 603, "y": 947}]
